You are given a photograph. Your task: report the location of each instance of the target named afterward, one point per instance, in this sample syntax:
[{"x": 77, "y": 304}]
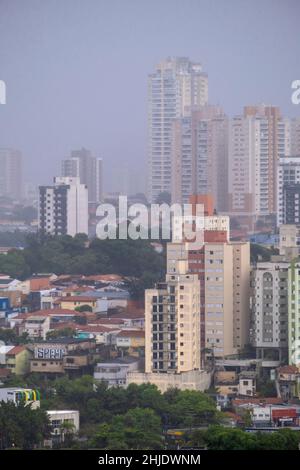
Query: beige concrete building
[
  {"x": 172, "y": 331},
  {"x": 172, "y": 328},
  {"x": 199, "y": 380},
  {"x": 224, "y": 278},
  {"x": 227, "y": 283}
]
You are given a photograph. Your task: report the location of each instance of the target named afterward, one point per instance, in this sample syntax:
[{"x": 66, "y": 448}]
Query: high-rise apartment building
[
  {"x": 63, "y": 207},
  {"x": 294, "y": 313},
  {"x": 257, "y": 140},
  {"x": 89, "y": 169},
  {"x": 199, "y": 155},
  {"x": 291, "y": 204},
  {"x": 223, "y": 270},
  {"x": 172, "y": 323},
  {"x": 269, "y": 309},
  {"x": 11, "y": 180},
  {"x": 227, "y": 315},
  {"x": 288, "y": 190},
  {"x": 174, "y": 89}
]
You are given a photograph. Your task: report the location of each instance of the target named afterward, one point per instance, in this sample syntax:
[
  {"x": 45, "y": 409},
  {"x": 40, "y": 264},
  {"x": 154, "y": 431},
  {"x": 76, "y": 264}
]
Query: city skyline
[{"x": 75, "y": 100}]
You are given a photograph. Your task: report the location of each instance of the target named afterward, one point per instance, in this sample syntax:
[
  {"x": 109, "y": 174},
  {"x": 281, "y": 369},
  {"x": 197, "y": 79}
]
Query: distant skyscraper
[
  {"x": 177, "y": 86},
  {"x": 89, "y": 169},
  {"x": 199, "y": 156},
  {"x": 11, "y": 182},
  {"x": 272, "y": 146},
  {"x": 63, "y": 207},
  {"x": 257, "y": 140},
  {"x": 295, "y": 136}
]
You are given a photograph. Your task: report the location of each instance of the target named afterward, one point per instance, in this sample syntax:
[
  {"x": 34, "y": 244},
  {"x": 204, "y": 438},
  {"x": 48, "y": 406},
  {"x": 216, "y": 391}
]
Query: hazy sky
[{"x": 76, "y": 70}]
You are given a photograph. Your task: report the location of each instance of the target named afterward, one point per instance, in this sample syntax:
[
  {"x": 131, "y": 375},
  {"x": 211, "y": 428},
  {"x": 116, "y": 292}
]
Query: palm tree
[{"x": 67, "y": 430}]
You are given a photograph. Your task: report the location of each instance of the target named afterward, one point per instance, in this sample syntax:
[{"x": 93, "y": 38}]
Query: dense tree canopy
[
  {"x": 74, "y": 255},
  {"x": 221, "y": 438},
  {"x": 131, "y": 418},
  {"x": 21, "y": 427}
]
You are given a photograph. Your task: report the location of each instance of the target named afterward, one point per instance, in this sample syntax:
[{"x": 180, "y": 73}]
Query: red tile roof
[
  {"x": 129, "y": 333},
  {"x": 77, "y": 289},
  {"x": 56, "y": 311},
  {"x": 288, "y": 370},
  {"x": 16, "y": 350},
  {"x": 76, "y": 298},
  {"x": 257, "y": 401}
]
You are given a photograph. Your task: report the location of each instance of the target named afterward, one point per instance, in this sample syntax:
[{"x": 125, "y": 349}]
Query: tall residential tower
[{"x": 174, "y": 89}]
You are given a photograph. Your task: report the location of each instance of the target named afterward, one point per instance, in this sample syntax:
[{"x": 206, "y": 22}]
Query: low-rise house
[
  {"x": 226, "y": 384},
  {"x": 114, "y": 372},
  {"x": 8, "y": 283},
  {"x": 63, "y": 423},
  {"x": 102, "y": 334},
  {"x": 247, "y": 383},
  {"x": 288, "y": 379},
  {"x": 48, "y": 298},
  {"x": 73, "y": 356},
  {"x": 39, "y": 282},
  {"x": 133, "y": 340},
  {"x": 72, "y": 302},
  {"x": 18, "y": 360},
  {"x": 14, "y": 296},
  {"x": 275, "y": 415},
  {"x": 37, "y": 326},
  {"x": 59, "y": 315}
]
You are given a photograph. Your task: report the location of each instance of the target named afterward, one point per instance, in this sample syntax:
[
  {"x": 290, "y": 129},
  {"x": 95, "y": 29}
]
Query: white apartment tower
[
  {"x": 63, "y": 207},
  {"x": 269, "y": 306},
  {"x": 176, "y": 86},
  {"x": 257, "y": 140}
]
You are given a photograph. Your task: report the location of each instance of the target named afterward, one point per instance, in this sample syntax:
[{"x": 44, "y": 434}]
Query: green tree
[
  {"x": 189, "y": 408},
  {"x": 63, "y": 333},
  {"x": 22, "y": 427},
  {"x": 139, "y": 428},
  {"x": 83, "y": 308}
]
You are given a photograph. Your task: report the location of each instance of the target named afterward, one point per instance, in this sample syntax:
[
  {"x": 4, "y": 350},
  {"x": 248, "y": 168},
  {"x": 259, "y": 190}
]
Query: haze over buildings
[{"x": 76, "y": 74}]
